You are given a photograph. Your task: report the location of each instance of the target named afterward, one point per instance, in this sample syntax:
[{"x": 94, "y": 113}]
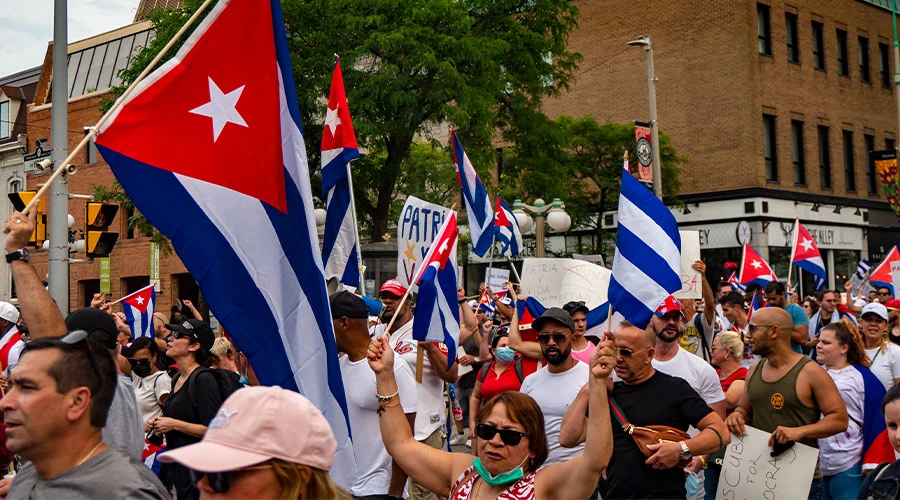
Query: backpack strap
[
  {"x": 191, "y": 382},
  {"x": 517, "y": 364},
  {"x": 485, "y": 368},
  {"x": 698, "y": 324}
]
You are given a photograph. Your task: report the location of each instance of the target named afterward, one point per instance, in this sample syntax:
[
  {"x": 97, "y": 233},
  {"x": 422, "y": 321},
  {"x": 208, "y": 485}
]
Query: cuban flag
[
  {"x": 478, "y": 205},
  {"x": 805, "y": 253},
  {"x": 755, "y": 304},
  {"x": 507, "y": 229},
  {"x": 647, "y": 264},
  {"x": 820, "y": 283},
  {"x": 862, "y": 268},
  {"x": 876, "y": 445},
  {"x": 881, "y": 275},
  {"x": 339, "y": 148},
  {"x": 436, "y": 316},
  {"x": 736, "y": 286},
  {"x": 755, "y": 269},
  {"x": 231, "y": 190},
  {"x": 138, "y": 308},
  {"x": 150, "y": 455}
]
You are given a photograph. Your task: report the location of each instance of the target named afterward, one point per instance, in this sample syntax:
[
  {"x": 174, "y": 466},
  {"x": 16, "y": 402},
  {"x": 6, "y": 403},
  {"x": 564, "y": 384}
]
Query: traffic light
[
  {"x": 19, "y": 201},
  {"x": 98, "y": 242}
]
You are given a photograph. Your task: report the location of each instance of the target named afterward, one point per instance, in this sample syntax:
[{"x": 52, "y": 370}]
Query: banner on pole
[
  {"x": 154, "y": 266},
  {"x": 418, "y": 225},
  {"x": 644, "y": 152},
  {"x": 105, "y": 275},
  {"x": 886, "y": 166}
]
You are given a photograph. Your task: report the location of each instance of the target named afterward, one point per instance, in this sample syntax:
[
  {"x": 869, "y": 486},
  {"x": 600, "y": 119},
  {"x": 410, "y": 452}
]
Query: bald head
[{"x": 775, "y": 316}]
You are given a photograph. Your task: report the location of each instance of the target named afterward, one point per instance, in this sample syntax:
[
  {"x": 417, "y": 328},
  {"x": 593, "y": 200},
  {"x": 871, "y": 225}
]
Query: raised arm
[
  {"x": 468, "y": 324},
  {"x": 709, "y": 298},
  {"x": 439, "y": 361},
  {"x": 525, "y": 348}
]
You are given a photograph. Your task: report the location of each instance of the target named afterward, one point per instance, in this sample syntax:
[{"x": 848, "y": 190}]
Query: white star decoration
[
  {"x": 139, "y": 300},
  {"x": 806, "y": 244},
  {"x": 756, "y": 264},
  {"x": 221, "y": 108},
  {"x": 332, "y": 120}
]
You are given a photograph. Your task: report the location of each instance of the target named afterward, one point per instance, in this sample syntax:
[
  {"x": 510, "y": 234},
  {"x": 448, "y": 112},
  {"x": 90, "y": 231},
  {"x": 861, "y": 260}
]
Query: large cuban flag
[
  {"x": 806, "y": 253},
  {"x": 507, "y": 229},
  {"x": 437, "y": 312},
  {"x": 339, "y": 148},
  {"x": 138, "y": 308},
  {"x": 755, "y": 269},
  {"x": 478, "y": 205},
  {"x": 881, "y": 275},
  {"x": 210, "y": 148}
]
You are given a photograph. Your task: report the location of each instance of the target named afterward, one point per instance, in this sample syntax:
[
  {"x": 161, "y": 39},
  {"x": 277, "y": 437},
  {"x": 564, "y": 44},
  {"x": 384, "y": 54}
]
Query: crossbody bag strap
[{"x": 617, "y": 411}]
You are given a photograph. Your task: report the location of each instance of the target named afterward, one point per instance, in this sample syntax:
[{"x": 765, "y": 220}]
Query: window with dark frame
[
  {"x": 871, "y": 176},
  {"x": 770, "y": 151},
  {"x": 5, "y": 120},
  {"x": 764, "y": 29},
  {"x": 798, "y": 152},
  {"x": 818, "y": 39},
  {"x": 793, "y": 44},
  {"x": 889, "y": 143},
  {"x": 824, "y": 157},
  {"x": 849, "y": 167},
  {"x": 843, "y": 64},
  {"x": 864, "y": 75},
  {"x": 884, "y": 65}
]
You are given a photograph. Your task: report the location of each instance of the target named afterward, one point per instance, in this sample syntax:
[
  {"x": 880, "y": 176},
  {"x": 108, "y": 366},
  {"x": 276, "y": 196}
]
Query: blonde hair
[
  {"x": 221, "y": 347},
  {"x": 318, "y": 485},
  {"x": 732, "y": 341}
]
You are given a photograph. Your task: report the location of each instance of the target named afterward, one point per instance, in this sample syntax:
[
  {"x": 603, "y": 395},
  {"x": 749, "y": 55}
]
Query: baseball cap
[
  {"x": 393, "y": 286},
  {"x": 199, "y": 330},
  {"x": 669, "y": 305},
  {"x": 9, "y": 312},
  {"x": 875, "y": 308},
  {"x": 99, "y": 325},
  {"x": 555, "y": 314},
  {"x": 576, "y": 306},
  {"x": 256, "y": 424},
  {"x": 344, "y": 303},
  {"x": 893, "y": 304}
]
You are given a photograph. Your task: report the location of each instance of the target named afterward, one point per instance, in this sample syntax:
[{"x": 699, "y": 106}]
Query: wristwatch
[
  {"x": 685, "y": 451},
  {"x": 23, "y": 254}
]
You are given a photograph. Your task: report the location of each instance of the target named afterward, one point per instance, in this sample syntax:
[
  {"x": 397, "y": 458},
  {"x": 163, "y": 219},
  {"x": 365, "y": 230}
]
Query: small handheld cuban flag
[
  {"x": 755, "y": 269},
  {"x": 437, "y": 312},
  {"x": 806, "y": 254},
  {"x": 736, "y": 286},
  {"x": 138, "y": 308},
  {"x": 508, "y": 232}
]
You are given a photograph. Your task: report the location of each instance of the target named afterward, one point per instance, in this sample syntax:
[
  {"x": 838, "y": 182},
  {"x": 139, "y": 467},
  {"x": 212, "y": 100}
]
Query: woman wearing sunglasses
[
  {"x": 512, "y": 444},
  {"x": 265, "y": 442},
  {"x": 151, "y": 385}
]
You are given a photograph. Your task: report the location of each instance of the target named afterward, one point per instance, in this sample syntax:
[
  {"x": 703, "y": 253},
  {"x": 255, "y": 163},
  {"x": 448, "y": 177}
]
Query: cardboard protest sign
[
  {"x": 495, "y": 278},
  {"x": 556, "y": 281},
  {"x": 691, "y": 281},
  {"x": 418, "y": 225}
]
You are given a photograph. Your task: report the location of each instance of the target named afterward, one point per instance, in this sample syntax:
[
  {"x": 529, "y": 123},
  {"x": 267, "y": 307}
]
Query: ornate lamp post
[{"x": 554, "y": 214}]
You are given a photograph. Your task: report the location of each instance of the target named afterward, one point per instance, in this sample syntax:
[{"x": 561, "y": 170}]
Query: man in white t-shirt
[
  {"x": 377, "y": 474},
  {"x": 430, "y": 409},
  {"x": 670, "y": 359},
  {"x": 555, "y": 386}
]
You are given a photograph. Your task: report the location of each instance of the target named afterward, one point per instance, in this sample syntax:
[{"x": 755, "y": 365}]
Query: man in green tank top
[{"x": 786, "y": 393}]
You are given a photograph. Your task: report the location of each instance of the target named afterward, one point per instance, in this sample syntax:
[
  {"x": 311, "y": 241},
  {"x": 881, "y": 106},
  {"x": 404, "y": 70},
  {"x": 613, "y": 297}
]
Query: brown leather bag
[{"x": 650, "y": 434}]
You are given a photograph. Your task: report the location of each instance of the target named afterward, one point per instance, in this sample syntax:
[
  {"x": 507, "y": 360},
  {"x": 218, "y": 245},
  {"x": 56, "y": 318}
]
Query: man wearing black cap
[
  {"x": 555, "y": 386},
  {"x": 378, "y": 476}
]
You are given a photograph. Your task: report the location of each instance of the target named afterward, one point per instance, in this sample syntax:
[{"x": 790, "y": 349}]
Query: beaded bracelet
[{"x": 387, "y": 398}]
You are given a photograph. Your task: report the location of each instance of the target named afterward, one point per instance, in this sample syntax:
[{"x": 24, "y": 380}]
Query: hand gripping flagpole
[{"x": 92, "y": 131}]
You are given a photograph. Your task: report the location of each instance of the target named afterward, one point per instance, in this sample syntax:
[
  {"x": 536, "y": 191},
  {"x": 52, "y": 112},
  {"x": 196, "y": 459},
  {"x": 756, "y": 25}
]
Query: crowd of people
[{"x": 549, "y": 406}]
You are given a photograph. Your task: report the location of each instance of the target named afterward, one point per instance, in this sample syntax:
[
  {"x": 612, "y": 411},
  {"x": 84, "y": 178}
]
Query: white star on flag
[
  {"x": 332, "y": 120},
  {"x": 221, "y": 108},
  {"x": 756, "y": 264},
  {"x": 806, "y": 244},
  {"x": 140, "y": 300}
]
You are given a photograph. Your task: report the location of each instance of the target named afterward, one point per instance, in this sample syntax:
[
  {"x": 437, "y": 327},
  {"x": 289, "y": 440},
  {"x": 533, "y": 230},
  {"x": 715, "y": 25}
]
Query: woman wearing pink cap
[
  {"x": 265, "y": 442},
  {"x": 512, "y": 443}
]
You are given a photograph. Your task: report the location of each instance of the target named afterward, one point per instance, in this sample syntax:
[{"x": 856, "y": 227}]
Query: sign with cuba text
[
  {"x": 419, "y": 224},
  {"x": 556, "y": 281}
]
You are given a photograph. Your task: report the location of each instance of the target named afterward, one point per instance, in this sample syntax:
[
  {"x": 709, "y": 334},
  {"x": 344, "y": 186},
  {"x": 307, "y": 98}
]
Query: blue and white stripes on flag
[
  {"x": 436, "y": 317},
  {"x": 820, "y": 283},
  {"x": 478, "y": 206},
  {"x": 862, "y": 268},
  {"x": 647, "y": 265},
  {"x": 507, "y": 229},
  {"x": 736, "y": 285},
  {"x": 138, "y": 308}
]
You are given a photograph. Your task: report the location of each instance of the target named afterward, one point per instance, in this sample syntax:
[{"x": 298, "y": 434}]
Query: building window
[
  {"x": 884, "y": 65},
  {"x": 849, "y": 170},
  {"x": 843, "y": 65},
  {"x": 5, "y": 124},
  {"x": 798, "y": 152},
  {"x": 793, "y": 44},
  {"x": 15, "y": 185},
  {"x": 763, "y": 29},
  {"x": 889, "y": 143},
  {"x": 818, "y": 39},
  {"x": 824, "y": 158},
  {"x": 864, "y": 60},
  {"x": 871, "y": 176},
  {"x": 769, "y": 149}
]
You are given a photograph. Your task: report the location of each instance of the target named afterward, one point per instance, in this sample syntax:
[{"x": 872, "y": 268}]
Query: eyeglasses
[
  {"x": 220, "y": 482},
  {"x": 884, "y": 293},
  {"x": 752, "y": 328},
  {"x": 559, "y": 338},
  {"x": 627, "y": 353},
  {"x": 508, "y": 436},
  {"x": 78, "y": 340}
]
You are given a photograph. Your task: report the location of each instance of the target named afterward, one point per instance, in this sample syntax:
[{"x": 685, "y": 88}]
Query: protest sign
[
  {"x": 418, "y": 225},
  {"x": 556, "y": 281},
  {"x": 691, "y": 281},
  {"x": 495, "y": 278},
  {"x": 895, "y": 274},
  {"x": 749, "y": 470}
]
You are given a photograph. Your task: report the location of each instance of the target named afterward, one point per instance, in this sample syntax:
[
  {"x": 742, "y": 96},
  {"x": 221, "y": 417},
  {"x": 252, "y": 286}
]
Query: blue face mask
[
  {"x": 507, "y": 477},
  {"x": 505, "y": 354}
]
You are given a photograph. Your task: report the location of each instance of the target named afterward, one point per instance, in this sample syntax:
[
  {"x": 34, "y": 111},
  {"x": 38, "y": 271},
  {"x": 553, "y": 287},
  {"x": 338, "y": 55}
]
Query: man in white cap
[{"x": 11, "y": 343}]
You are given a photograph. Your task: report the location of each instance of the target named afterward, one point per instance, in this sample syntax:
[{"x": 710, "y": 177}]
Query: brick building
[{"x": 777, "y": 105}]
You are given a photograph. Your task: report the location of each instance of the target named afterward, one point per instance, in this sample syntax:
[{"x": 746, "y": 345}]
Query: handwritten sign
[
  {"x": 495, "y": 278},
  {"x": 691, "y": 281},
  {"x": 750, "y": 472},
  {"x": 419, "y": 223},
  {"x": 895, "y": 274},
  {"x": 557, "y": 281}
]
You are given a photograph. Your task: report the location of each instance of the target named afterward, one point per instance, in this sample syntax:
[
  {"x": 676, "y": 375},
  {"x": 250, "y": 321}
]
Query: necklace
[{"x": 90, "y": 454}]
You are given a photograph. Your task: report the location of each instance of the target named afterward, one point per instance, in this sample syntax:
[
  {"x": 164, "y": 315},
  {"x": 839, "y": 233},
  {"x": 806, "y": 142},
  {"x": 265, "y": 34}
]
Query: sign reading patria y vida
[{"x": 419, "y": 223}]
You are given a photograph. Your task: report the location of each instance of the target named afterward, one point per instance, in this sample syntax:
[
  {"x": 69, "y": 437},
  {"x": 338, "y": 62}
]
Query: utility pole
[
  {"x": 654, "y": 126},
  {"x": 58, "y": 265}
]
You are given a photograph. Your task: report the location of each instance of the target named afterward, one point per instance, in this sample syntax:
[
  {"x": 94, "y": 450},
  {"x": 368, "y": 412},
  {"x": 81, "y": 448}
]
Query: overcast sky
[{"x": 26, "y": 26}]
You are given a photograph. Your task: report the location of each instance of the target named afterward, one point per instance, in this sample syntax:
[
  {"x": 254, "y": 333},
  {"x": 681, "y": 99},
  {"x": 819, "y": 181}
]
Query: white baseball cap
[
  {"x": 875, "y": 308},
  {"x": 9, "y": 312}
]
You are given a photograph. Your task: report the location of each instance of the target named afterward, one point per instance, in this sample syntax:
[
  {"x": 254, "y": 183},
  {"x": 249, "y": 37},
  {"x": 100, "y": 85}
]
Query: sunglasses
[
  {"x": 627, "y": 353},
  {"x": 559, "y": 338},
  {"x": 78, "y": 340},
  {"x": 220, "y": 482},
  {"x": 884, "y": 293},
  {"x": 508, "y": 436},
  {"x": 178, "y": 335}
]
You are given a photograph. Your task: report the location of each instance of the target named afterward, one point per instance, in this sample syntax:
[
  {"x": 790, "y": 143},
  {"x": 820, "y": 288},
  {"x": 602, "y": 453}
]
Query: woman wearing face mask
[
  {"x": 512, "y": 443},
  {"x": 151, "y": 384},
  {"x": 502, "y": 374}
]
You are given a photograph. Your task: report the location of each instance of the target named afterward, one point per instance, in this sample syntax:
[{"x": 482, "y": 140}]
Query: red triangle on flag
[{"x": 806, "y": 245}]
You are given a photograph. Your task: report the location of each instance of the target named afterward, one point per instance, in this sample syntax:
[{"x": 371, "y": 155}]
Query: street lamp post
[
  {"x": 896, "y": 61},
  {"x": 654, "y": 126},
  {"x": 554, "y": 214}
]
